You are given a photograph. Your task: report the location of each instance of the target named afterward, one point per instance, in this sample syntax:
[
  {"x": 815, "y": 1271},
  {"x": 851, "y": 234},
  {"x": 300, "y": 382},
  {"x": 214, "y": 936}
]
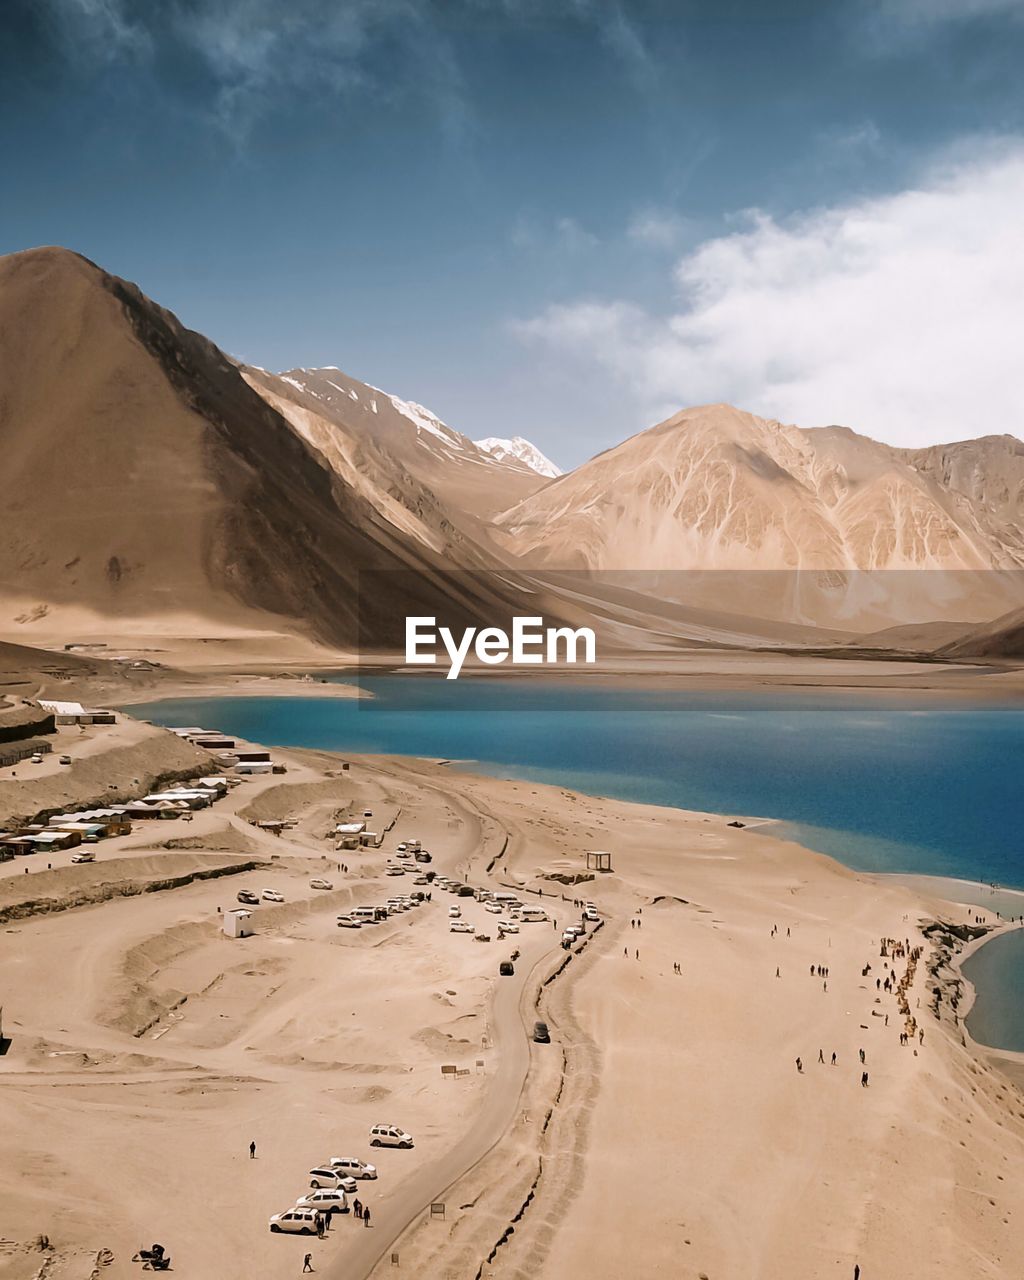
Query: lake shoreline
[{"x": 942, "y": 888}]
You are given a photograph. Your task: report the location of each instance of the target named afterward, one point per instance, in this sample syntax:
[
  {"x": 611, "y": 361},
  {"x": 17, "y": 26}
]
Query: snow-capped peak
[
  {"x": 423, "y": 420},
  {"x": 519, "y": 450}
]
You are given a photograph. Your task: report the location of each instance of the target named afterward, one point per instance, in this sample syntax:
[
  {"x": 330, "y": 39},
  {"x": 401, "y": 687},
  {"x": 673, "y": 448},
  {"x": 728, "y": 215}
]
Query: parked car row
[
  {"x": 332, "y": 1182},
  {"x": 394, "y": 906},
  {"x": 249, "y": 898}
]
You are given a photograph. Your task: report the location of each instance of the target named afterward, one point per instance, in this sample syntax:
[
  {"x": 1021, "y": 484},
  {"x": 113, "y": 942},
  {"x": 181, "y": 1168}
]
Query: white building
[{"x": 238, "y": 923}]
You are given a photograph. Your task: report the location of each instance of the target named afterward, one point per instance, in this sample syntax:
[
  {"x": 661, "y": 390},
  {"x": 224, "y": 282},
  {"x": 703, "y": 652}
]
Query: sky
[{"x": 562, "y": 219}]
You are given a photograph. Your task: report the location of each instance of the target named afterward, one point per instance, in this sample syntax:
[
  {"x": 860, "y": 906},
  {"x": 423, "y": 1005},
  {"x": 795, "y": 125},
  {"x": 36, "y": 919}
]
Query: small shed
[
  {"x": 238, "y": 923},
  {"x": 598, "y": 860}
]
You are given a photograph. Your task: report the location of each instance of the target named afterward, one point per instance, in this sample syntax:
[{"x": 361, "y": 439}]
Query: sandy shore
[
  {"x": 666, "y": 1130},
  {"x": 140, "y": 667}
]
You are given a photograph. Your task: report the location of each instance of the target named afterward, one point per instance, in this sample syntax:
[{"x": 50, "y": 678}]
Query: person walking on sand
[
  {"x": 357, "y": 1208},
  {"x": 856, "y": 1271},
  {"x": 863, "y": 1079},
  {"x": 252, "y": 1150},
  {"x": 307, "y": 1263},
  {"x": 366, "y": 1217},
  {"x": 799, "y": 1065},
  {"x": 821, "y": 1056}
]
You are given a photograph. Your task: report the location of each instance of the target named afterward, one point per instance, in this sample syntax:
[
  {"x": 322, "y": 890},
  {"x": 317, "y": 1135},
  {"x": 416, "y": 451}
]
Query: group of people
[
  {"x": 890, "y": 981},
  {"x": 322, "y": 1218},
  {"x": 322, "y": 1221},
  {"x": 895, "y": 949}
]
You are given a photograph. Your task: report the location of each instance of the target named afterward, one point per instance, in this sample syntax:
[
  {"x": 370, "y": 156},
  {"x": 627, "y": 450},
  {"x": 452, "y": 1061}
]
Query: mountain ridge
[{"x": 178, "y": 482}]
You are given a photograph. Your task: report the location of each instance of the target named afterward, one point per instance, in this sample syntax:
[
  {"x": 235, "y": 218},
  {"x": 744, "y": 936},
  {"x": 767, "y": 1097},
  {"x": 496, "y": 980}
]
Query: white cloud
[
  {"x": 260, "y": 54},
  {"x": 574, "y": 237},
  {"x": 658, "y": 228},
  {"x": 564, "y": 235},
  {"x": 909, "y": 12},
  {"x": 899, "y": 315}
]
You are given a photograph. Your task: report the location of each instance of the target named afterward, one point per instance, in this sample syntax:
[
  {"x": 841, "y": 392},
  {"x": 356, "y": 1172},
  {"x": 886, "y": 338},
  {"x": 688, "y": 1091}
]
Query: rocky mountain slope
[
  {"x": 472, "y": 483},
  {"x": 715, "y": 491},
  {"x": 146, "y": 481},
  {"x": 1003, "y": 638},
  {"x": 152, "y": 483},
  {"x": 517, "y": 449}
]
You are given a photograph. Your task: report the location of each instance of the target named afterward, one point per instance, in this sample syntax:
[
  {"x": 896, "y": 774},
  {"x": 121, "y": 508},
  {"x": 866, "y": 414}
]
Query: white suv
[
  {"x": 333, "y": 1179},
  {"x": 298, "y": 1221},
  {"x": 389, "y": 1135},
  {"x": 326, "y": 1200},
  {"x": 354, "y": 1167}
]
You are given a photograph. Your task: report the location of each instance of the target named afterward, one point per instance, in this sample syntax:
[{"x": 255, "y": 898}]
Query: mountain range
[{"x": 152, "y": 481}]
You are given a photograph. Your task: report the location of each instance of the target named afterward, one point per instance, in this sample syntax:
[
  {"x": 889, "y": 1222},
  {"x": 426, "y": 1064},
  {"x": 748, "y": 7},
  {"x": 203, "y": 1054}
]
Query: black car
[
  {"x": 541, "y": 1035},
  {"x": 248, "y": 897},
  {"x": 506, "y": 968}
]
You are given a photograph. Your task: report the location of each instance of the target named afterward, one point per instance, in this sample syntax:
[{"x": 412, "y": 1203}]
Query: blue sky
[{"x": 555, "y": 218}]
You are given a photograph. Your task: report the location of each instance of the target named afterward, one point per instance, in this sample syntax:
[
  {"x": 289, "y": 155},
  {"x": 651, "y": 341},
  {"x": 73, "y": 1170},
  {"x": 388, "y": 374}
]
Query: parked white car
[
  {"x": 298, "y": 1221},
  {"x": 326, "y": 1200},
  {"x": 460, "y": 926},
  {"x": 346, "y": 922},
  {"x": 454, "y": 913},
  {"x": 333, "y": 1179},
  {"x": 590, "y": 913},
  {"x": 272, "y": 895},
  {"x": 507, "y": 926},
  {"x": 493, "y": 907},
  {"x": 353, "y": 1166},
  {"x": 389, "y": 1135},
  {"x": 318, "y": 883}
]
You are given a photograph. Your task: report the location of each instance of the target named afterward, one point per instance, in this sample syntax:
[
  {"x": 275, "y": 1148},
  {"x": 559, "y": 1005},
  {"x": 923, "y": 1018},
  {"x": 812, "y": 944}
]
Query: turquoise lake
[
  {"x": 927, "y": 787},
  {"x": 997, "y": 972}
]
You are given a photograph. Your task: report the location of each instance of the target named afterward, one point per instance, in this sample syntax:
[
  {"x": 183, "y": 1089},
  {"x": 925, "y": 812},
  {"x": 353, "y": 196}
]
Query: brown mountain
[
  {"x": 144, "y": 478},
  {"x": 472, "y": 483},
  {"x": 855, "y": 533},
  {"x": 151, "y": 482},
  {"x": 1002, "y": 638}
]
